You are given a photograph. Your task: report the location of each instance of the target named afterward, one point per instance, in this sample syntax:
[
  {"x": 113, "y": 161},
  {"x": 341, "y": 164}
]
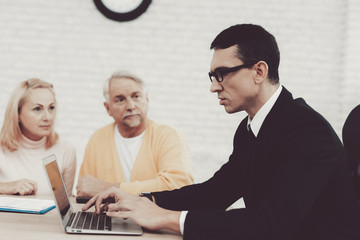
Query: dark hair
[{"x": 253, "y": 43}]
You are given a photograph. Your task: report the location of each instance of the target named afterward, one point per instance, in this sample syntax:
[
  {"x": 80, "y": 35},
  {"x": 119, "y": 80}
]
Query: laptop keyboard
[{"x": 91, "y": 220}]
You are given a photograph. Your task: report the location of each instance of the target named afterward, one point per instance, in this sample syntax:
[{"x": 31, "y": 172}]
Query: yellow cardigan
[{"x": 163, "y": 161}]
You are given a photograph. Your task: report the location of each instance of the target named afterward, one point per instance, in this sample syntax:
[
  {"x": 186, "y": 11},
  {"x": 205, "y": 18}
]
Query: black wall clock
[{"x": 122, "y": 10}]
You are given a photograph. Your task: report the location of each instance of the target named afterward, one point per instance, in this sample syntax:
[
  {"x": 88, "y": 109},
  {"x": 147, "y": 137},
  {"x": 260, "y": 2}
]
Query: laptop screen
[{"x": 57, "y": 185}]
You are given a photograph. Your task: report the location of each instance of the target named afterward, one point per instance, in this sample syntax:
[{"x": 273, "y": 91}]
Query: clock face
[
  {"x": 122, "y": 10},
  {"x": 122, "y": 6}
]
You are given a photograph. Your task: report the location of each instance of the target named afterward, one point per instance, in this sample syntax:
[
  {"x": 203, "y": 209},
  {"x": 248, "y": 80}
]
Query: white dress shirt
[{"x": 260, "y": 116}]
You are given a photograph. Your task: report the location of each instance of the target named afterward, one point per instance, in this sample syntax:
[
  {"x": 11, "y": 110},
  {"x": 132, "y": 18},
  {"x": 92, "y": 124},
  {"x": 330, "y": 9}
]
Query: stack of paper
[{"x": 25, "y": 205}]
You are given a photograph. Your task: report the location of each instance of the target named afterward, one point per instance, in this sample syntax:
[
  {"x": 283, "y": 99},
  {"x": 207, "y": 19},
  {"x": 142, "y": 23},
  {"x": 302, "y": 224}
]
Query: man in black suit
[{"x": 287, "y": 163}]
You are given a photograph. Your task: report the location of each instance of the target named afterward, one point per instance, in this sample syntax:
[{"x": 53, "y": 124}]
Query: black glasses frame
[{"x": 219, "y": 73}]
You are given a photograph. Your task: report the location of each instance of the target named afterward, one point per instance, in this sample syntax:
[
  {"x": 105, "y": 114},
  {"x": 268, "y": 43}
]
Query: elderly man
[
  {"x": 134, "y": 153},
  {"x": 287, "y": 163}
]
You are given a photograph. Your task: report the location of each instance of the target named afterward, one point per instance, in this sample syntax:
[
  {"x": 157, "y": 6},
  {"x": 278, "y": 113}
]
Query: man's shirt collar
[{"x": 260, "y": 116}]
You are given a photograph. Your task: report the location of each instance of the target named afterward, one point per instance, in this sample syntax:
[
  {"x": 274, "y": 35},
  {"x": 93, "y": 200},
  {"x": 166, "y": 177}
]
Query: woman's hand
[{"x": 22, "y": 187}]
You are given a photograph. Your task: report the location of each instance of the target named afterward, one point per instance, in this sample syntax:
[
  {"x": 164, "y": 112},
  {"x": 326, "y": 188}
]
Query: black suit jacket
[
  {"x": 351, "y": 140},
  {"x": 293, "y": 177}
]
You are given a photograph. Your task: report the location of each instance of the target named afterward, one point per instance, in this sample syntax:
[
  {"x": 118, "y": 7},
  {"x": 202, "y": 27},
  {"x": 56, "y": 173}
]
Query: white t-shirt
[{"x": 127, "y": 149}]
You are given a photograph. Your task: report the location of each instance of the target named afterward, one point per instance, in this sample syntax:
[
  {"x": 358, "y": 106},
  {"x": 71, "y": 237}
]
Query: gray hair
[{"x": 117, "y": 75}]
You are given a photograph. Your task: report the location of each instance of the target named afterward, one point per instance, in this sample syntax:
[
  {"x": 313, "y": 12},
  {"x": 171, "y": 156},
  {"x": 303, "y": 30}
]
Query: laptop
[{"x": 83, "y": 222}]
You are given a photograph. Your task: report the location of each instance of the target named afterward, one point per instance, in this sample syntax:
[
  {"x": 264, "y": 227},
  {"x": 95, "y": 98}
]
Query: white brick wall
[
  {"x": 70, "y": 44},
  {"x": 350, "y": 88}
]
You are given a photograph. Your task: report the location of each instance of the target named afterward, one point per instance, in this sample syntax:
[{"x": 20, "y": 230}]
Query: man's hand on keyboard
[{"x": 143, "y": 211}]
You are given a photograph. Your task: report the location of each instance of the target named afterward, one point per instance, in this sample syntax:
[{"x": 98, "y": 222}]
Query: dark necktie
[{"x": 251, "y": 134}]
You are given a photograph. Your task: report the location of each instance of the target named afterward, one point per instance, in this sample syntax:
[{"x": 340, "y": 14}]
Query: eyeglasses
[{"x": 219, "y": 73}]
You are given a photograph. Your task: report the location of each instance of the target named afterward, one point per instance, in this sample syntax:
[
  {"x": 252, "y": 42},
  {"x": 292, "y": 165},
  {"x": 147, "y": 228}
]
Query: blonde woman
[{"x": 27, "y": 136}]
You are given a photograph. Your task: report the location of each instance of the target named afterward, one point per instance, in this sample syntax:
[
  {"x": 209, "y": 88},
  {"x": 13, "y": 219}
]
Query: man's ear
[
  {"x": 262, "y": 70},
  {"x": 106, "y": 105}
]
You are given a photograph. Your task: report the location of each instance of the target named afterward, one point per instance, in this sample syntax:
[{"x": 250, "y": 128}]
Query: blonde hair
[{"x": 10, "y": 134}]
